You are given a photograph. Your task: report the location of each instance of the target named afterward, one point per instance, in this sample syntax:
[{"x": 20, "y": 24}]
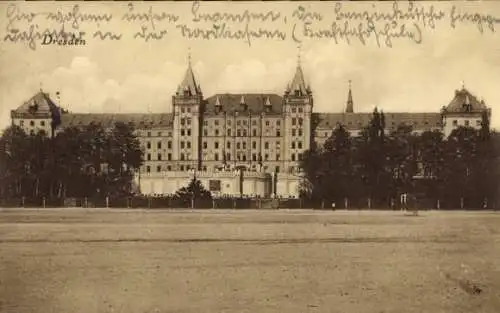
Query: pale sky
[{"x": 134, "y": 76}]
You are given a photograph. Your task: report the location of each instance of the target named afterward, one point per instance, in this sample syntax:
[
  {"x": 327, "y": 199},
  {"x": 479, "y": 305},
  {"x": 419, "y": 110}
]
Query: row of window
[
  {"x": 467, "y": 123},
  {"x": 239, "y": 145},
  {"x": 158, "y": 134},
  {"x": 159, "y": 145},
  {"x": 187, "y": 168},
  {"x": 241, "y": 133},
  {"x": 241, "y": 122},
  {"x": 239, "y": 157},
  {"x": 159, "y": 157},
  {"x": 32, "y": 123},
  {"x": 243, "y": 145}
]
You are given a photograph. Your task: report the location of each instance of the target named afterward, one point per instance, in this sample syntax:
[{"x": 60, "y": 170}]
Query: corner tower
[
  {"x": 187, "y": 106},
  {"x": 297, "y": 111}
]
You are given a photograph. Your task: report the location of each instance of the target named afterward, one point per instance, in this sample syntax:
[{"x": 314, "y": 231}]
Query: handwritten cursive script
[{"x": 380, "y": 24}]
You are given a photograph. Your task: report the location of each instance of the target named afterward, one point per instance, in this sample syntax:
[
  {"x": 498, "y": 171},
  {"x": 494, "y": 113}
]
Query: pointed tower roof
[
  {"x": 298, "y": 81},
  {"x": 350, "y": 102},
  {"x": 242, "y": 100},
  {"x": 189, "y": 82},
  {"x": 268, "y": 102},
  {"x": 217, "y": 102}
]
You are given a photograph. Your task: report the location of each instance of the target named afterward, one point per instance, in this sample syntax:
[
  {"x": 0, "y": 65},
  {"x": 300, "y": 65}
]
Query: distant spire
[
  {"x": 242, "y": 100},
  {"x": 217, "y": 101},
  {"x": 463, "y": 84},
  {"x": 350, "y": 102},
  {"x": 189, "y": 56},
  {"x": 268, "y": 102},
  {"x": 41, "y": 86}
]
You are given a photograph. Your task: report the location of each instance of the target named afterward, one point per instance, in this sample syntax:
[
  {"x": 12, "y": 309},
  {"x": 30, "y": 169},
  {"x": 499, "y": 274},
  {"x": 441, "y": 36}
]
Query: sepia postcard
[{"x": 249, "y": 156}]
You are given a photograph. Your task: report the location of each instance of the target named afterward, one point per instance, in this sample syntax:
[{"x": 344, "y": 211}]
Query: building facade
[{"x": 259, "y": 136}]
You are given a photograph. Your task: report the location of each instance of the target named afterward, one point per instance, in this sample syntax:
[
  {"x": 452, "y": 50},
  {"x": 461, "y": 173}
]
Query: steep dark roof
[
  {"x": 139, "y": 120},
  {"x": 189, "y": 83},
  {"x": 40, "y": 103},
  {"x": 255, "y": 103},
  {"x": 463, "y": 98},
  {"x": 355, "y": 121}
]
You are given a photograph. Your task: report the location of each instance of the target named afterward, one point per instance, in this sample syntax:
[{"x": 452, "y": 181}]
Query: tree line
[
  {"x": 77, "y": 162},
  {"x": 460, "y": 170}
]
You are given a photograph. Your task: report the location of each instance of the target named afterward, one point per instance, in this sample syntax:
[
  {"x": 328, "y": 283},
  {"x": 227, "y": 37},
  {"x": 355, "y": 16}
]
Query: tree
[
  {"x": 372, "y": 161},
  {"x": 402, "y": 154},
  {"x": 329, "y": 171},
  {"x": 193, "y": 192}
]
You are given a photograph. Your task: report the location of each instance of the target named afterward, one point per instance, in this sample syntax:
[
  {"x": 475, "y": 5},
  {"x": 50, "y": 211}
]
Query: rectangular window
[
  {"x": 267, "y": 123},
  {"x": 293, "y": 145},
  {"x": 299, "y": 145},
  {"x": 188, "y": 144},
  {"x": 294, "y": 121},
  {"x": 182, "y": 157},
  {"x": 216, "y": 157},
  {"x": 229, "y": 157},
  {"x": 182, "y": 144},
  {"x": 148, "y": 157},
  {"x": 216, "y": 122},
  {"x": 159, "y": 144},
  {"x": 158, "y": 168},
  {"x": 294, "y": 132},
  {"x": 238, "y": 145},
  {"x": 183, "y": 121},
  {"x": 169, "y": 145},
  {"x": 205, "y": 132},
  {"x": 278, "y": 133},
  {"x": 254, "y": 157},
  {"x": 277, "y": 157},
  {"x": 148, "y": 145},
  {"x": 278, "y": 123},
  {"x": 216, "y": 145},
  {"x": 300, "y": 132},
  {"x": 266, "y": 145},
  {"x": 183, "y": 132},
  {"x": 254, "y": 132},
  {"x": 293, "y": 156},
  {"x": 229, "y": 145},
  {"x": 229, "y": 132},
  {"x": 188, "y": 121},
  {"x": 467, "y": 123},
  {"x": 169, "y": 156},
  {"x": 205, "y": 146},
  {"x": 189, "y": 132},
  {"x": 455, "y": 122},
  {"x": 266, "y": 157},
  {"x": 148, "y": 169},
  {"x": 244, "y": 145},
  {"x": 216, "y": 132},
  {"x": 159, "y": 156},
  {"x": 42, "y": 123},
  {"x": 254, "y": 145}
]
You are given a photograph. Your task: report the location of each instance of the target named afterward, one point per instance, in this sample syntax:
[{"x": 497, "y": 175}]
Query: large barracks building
[{"x": 237, "y": 144}]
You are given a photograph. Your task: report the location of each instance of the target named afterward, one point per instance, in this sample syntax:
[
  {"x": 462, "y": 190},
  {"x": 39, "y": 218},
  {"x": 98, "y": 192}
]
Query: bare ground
[{"x": 72, "y": 260}]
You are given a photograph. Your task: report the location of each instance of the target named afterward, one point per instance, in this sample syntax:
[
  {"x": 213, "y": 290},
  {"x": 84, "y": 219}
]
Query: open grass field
[{"x": 75, "y": 260}]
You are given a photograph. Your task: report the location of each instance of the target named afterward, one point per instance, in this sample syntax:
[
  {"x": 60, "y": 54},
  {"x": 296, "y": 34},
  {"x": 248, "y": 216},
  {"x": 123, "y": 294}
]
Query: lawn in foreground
[{"x": 248, "y": 261}]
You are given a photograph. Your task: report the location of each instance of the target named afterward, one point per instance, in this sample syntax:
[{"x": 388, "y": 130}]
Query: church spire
[
  {"x": 298, "y": 84},
  {"x": 350, "y": 102},
  {"x": 189, "y": 85}
]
